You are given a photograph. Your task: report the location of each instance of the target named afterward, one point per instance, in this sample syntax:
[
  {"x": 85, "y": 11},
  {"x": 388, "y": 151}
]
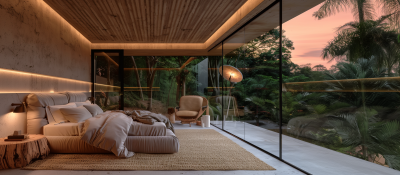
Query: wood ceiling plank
[
  {"x": 211, "y": 17},
  {"x": 146, "y": 21}
]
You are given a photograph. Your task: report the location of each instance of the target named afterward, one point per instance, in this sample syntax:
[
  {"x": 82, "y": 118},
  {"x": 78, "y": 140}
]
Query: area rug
[{"x": 200, "y": 149}]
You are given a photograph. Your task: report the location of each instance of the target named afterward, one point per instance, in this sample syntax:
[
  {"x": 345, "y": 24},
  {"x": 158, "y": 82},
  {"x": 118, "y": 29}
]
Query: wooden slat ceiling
[{"x": 146, "y": 21}]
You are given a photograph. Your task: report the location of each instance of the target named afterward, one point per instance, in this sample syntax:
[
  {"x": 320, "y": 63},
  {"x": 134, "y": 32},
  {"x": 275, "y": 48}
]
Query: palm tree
[
  {"x": 361, "y": 9},
  {"x": 368, "y": 39}
]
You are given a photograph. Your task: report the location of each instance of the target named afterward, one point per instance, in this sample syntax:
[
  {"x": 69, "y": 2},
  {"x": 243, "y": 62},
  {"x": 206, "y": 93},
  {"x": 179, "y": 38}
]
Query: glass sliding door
[
  {"x": 106, "y": 76},
  {"x": 250, "y": 82},
  {"x": 156, "y": 83},
  {"x": 342, "y": 88},
  {"x": 232, "y": 85}
]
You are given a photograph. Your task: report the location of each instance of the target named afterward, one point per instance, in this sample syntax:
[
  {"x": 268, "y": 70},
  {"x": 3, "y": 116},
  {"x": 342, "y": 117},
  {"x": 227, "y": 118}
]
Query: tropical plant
[
  {"x": 368, "y": 137},
  {"x": 362, "y": 9},
  {"x": 368, "y": 39},
  {"x": 352, "y": 84}
]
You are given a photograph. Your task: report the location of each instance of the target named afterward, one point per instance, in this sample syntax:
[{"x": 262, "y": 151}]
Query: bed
[{"x": 66, "y": 138}]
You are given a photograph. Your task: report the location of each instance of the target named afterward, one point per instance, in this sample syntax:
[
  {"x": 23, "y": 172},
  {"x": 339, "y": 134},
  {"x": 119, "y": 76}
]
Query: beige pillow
[
  {"x": 76, "y": 115},
  {"x": 94, "y": 109},
  {"x": 54, "y": 114}
]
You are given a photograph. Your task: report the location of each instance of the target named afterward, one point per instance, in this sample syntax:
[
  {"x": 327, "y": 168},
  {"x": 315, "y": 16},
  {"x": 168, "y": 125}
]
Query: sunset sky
[{"x": 311, "y": 35}]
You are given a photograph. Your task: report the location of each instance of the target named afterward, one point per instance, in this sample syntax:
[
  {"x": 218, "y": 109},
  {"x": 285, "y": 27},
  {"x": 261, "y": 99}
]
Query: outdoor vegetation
[{"x": 352, "y": 107}]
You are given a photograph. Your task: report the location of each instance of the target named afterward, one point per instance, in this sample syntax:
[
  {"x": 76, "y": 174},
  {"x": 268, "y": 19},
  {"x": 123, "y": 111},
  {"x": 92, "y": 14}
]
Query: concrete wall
[{"x": 34, "y": 38}]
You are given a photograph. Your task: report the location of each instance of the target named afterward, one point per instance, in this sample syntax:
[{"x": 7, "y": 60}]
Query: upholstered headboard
[{"x": 36, "y": 105}]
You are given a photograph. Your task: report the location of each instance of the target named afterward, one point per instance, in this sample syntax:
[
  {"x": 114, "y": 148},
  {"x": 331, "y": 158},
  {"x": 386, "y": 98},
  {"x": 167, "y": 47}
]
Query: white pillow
[
  {"x": 76, "y": 115},
  {"x": 81, "y": 103},
  {"x": 55, "y": 116},
  {"x": 94, "y": 109}
]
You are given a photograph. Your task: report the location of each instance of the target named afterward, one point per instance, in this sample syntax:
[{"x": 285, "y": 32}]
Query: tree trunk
[
  {"x": 178, "y": 87},
  {"x": 169, "y": 92},
  {"x": 17, "y": 154},
  {"x": 365, "y": 153},
  {"x": 150, "y": 84},
  {"x": 361, "y": 14},
  {"x": 137, "y": 78},
  {"x": 183, "y": 86},
  {"x": 151, "y": 62}
]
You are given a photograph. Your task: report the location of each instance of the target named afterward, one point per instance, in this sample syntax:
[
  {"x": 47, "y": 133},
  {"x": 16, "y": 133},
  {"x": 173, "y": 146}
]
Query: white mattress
[{"x": 63, "y": 129}]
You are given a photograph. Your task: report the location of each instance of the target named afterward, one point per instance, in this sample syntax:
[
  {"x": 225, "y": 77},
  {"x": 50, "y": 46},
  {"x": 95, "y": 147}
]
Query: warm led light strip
[
  {"x": 97, "y": 84},
  {"x": 26, "y": 92},
  {"x": 41, "y": 75}
]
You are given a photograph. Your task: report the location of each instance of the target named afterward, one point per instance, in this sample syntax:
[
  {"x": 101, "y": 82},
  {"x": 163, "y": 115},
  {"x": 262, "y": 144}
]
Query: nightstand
[{"x": 17, "y": 154}]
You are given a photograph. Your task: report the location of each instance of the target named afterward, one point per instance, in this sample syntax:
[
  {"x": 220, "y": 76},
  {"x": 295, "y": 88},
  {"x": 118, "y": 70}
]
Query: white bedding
[
  {"x": 63, "y": 129},
  {"x": 108, "y": 131}
]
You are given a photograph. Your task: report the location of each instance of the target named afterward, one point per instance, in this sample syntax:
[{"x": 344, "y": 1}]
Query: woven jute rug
[{"x": 200, "y": 149}]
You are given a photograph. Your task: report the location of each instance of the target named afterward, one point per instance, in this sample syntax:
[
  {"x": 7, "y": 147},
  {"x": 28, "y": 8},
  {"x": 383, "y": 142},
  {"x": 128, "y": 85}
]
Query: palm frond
[{"x": 331, "y": 7}]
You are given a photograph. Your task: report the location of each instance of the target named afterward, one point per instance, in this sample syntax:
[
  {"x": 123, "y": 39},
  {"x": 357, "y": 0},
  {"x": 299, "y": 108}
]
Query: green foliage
[
  {"x": 368, "y": 136},
  {"x": 369, "y": 39},
  {"x": 356, "y": 72},
  {"x": 319, "y": 109}
]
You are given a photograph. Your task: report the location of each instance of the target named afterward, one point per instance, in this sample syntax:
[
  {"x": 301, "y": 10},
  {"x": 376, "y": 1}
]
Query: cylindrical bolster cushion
[
  {"x": 35, "y": 112},
  {"x": 76, "y": 97}
]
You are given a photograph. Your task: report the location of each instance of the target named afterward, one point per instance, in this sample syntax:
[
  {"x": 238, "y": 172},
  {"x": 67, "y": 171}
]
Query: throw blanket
[
  {"x": 148, "y": 117},
  {"x": 108, "y": 131}
]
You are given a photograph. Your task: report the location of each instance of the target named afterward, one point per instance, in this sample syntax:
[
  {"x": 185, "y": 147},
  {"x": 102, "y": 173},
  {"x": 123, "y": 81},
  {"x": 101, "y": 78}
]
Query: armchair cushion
[
  {"x": 188, "y": 114},
  {"x": 190, "y": 103}
]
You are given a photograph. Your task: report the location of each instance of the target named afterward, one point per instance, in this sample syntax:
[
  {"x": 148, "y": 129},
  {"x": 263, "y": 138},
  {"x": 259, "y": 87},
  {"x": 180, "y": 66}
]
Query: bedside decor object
[
  {"x": 17, "y": 136},
  {"x": 205, "y": 119},
  {"x": 20, "y": 107},
  {"x": 233, "y": 75},
  {"x": 17, "y": 132},
  {"x": 17, "y": 154},
  {"x": 198, "y": 123}
]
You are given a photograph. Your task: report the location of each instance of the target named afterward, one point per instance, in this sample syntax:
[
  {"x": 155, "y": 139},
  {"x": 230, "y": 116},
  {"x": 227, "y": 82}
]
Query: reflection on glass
[
  {"x": 107, "y": 83},
  {"x": 250, "y": 105},
  {"x": 156, "y": 83}
]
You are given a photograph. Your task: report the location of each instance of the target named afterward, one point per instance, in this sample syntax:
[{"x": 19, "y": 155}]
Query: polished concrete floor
[
  {"x": 309, "y": 157},
  {"x": 281, "y": 168}
]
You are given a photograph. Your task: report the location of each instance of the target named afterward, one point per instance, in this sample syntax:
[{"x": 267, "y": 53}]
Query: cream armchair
[{"x": 190, "y": 108}]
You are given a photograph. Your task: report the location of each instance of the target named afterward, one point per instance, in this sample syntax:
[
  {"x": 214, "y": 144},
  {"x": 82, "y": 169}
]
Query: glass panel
[
  {"x": 261, "y": 83},
  {"x": 251, "y": 102},
  {"x": 107, "y": 83},
  {"x": 214, "y": 91},
  {"x": 234, "y": 55},
  {"x": 157, "y": 83},
  {"x": 341, "y": 99}
]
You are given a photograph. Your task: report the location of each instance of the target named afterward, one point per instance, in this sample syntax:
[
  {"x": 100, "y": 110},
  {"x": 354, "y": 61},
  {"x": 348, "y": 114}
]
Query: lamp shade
[
  {"x": 20, "y": 107},
  {"x": 231, "y": 73}
]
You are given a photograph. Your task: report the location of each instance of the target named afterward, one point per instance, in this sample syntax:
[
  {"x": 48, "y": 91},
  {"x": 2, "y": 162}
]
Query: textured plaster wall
[{"x": 34, "y": 38}]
